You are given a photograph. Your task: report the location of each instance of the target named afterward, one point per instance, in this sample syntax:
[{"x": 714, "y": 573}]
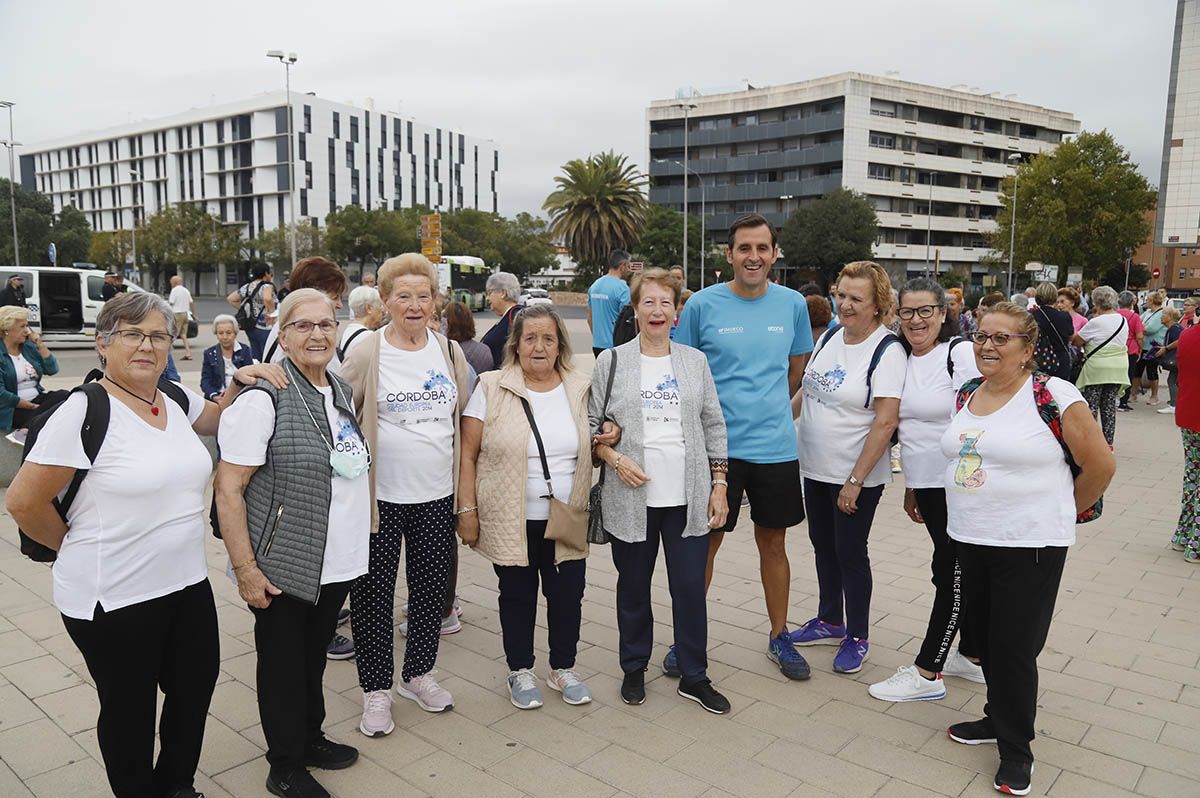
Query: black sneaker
[
  {"x": 1013, "y": 778},
  {"x": 343, "y": 616},
  {"x": 296, "y": 783},
  {"x": 633, "y": 687},
  {"x": 340, "y": 647},
  {"x": 1125, "y": 408},
  {"x": 671, "y": 664},
  {"x": 702, "y": 693},
  {"x": 328, "y": 755},
  {"x": 185, "y": 792},
  {"x": 973, "y": 732}
]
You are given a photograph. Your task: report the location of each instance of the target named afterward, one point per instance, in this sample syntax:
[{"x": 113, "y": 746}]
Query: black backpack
[
  {"x": 91, "y": 432},
  {"x": 245, "y": 317},
  {"x": 625, "y": 329}
]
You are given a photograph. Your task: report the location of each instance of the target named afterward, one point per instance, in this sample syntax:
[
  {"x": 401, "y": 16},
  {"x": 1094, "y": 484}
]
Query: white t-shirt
[
  {"x": 136, "y": 526},
  {"x": 349, "y": 331},
  {"x": 27, "y": 377},
  {"x": 1007, "y": 481},
  {"x": 834, "y": 423},
  {"x": 245, "y": 433},
  {"x": 926, "y": 409},
  {"x": 552, "y": 412},
  {"x": 180, "y": 299},
  {"x": 662, "y": 434},
  {"x": 1098, "y": 328},
  {"x": 229, "y": 370},
  {"x": 416, "y": 397}
]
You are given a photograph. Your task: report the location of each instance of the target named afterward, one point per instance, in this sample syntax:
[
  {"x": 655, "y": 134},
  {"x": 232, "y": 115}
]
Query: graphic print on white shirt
[
  {"x": 969, "y": 473},
  {"x": 662, "y": 434}
]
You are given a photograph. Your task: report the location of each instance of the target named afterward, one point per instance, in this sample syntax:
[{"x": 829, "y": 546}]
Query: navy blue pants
[
  {"x": 258, "y": 342},
  {"x": 686, "y": 561},
  {"x": 840, "y": 550}
]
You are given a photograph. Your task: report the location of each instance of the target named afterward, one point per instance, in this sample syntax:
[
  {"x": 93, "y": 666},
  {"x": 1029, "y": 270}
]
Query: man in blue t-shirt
[
  {"x": 757, "y": 338},
  {"x": 606, "y": 297}
]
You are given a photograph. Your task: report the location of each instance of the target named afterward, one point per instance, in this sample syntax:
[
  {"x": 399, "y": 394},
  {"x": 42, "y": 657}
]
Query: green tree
[
  {"x": 826, "y": 234},
  {"x": 360, "y": 235},
  {"x": 1080, "y": 207},
  {"x": 110, "y": 250},
  {"x": 35, "y": 217},
  {"x": 661, "y": 243},
  {"x": 185, "y": 236},
  {"x": 599, "y": 206},
  {"x": 1115, "y": 277},
  {"x": 954, "y": 278},
  {"x": 275, "y": 246},
  {"x": 72, "y": 236}
]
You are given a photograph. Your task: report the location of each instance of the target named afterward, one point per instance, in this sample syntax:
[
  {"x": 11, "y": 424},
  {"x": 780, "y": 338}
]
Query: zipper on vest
[{"x": 274, "y": 529}]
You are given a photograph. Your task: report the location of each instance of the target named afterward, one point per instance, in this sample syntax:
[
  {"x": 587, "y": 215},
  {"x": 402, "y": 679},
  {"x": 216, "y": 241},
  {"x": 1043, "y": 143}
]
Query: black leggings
[{"x": 949, "y": 610}]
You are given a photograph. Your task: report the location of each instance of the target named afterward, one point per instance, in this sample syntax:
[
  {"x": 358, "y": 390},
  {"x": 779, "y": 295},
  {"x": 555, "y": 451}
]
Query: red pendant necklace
[{"x": 151, "y": 402}]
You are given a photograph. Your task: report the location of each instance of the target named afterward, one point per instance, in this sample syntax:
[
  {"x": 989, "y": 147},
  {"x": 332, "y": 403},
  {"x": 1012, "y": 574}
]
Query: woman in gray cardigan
[{"x": 664, "y": 399}]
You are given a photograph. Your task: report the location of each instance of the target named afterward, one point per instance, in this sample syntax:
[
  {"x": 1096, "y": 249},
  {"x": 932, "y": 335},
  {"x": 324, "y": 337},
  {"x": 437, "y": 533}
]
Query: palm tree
[{"x": 599, "y": 206}]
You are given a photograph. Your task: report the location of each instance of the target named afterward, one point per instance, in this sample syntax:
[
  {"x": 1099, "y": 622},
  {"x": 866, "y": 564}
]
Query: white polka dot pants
[{"x": 429, "y": 530}]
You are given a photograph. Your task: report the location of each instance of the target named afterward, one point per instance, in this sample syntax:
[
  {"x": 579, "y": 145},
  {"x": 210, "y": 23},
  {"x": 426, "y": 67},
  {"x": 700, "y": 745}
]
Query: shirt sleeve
[
  {"x": 1090, "y": 330},
  {"x": 686, "y": 332},
  {"x": 623, "y": 293},
  {"x": 965, "y": 367},
  {"x": 59, "y": 442},
  {"x": 1065, "y": 394},
  {"x": 802, "y": 340},
  {"x": 477, "y": 405},
  {"x": 246, "y": 429},
  {"x": 888, "y": 379},
  {"x": 272, "y": 337},
  {"x": 195, "y": 403}
]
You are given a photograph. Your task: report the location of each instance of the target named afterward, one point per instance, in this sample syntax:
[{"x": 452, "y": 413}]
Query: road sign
[
  {"x": 1033, "y": 266},
  {"x": 431, "y": 237},
  {"x": 52, "y": 251},
  {"x": 636, "y": 265},
  {"x": 1156, "y": 273}
]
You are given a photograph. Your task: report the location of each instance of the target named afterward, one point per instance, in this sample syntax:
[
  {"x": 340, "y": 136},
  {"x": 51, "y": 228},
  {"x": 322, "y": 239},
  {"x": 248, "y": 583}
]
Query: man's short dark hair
[
  {"x": 747, "y": 221},
  {"x": 257, "y": 270},
  {"x": 811, "y": 289},
  {"x": 616, "y": 258}
]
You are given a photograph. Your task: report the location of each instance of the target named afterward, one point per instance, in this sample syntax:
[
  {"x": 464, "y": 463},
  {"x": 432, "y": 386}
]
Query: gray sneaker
[
  {"x": 340, "y": 647},
  {"x": 523, "y": 691},
  {"x": 567, "y": 682}
]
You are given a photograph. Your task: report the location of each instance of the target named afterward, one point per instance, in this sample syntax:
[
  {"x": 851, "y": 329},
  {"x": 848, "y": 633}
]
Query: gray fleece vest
[{"x": 287, "y": 499}]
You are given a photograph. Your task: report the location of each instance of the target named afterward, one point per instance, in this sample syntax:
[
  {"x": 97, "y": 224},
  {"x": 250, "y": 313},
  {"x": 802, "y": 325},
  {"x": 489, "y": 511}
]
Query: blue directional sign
[{"x": 52, "y": 251}]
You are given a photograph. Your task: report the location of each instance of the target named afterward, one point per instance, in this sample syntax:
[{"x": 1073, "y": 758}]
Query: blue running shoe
[
  {"x": 851, "y": 655},
  {"x": 671, "y": 664},
  {"x": 818, "y": 633},
  {"x": 784, "y": 654}
]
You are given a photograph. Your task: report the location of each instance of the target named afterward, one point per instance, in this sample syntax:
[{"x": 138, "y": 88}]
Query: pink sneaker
[
  {"x": 429, "y": 695},
  {"x": 377, "y": 714}
]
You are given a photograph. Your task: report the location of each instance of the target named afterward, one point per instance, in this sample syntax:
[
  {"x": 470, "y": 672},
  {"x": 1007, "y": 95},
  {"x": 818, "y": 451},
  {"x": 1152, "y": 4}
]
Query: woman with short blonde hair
[{"x": 21, "y": 394}]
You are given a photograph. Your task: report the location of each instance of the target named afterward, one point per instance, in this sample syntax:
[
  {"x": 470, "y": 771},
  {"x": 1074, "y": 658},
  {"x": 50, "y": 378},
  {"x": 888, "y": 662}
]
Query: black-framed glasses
[
  {"x": 925, "y": 312},
  {"x": 305, "y": 327},
  {"x": 134, "y": 338},
  {"x": 979, "y": 338}
]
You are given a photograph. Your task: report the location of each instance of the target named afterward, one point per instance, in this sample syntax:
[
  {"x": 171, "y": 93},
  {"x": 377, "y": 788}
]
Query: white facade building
[
  {"x": 908, "y": 147},
  {"x": 233, "y": 159},
  {"x": 1178, "y": 218}
]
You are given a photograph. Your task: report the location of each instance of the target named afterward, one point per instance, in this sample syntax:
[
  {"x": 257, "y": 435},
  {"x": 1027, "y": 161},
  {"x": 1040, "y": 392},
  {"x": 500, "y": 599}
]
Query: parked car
[{"x": 536, "y": 296}]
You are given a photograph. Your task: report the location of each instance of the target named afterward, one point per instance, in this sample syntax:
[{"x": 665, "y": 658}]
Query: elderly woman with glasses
[
  {"x": 410, "y": 388},
  {"x": 503, "y": 295},
  {"x": 292, "y": 496},
  {"x": 130, "y": 580},
  {"x": 1012, "y": 503}
]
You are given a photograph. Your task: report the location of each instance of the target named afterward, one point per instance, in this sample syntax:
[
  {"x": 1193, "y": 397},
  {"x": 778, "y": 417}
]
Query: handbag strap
[
  {"x": 537, "y": 436},
  {"x": 1107, "y": 341},
  {"x": 612, "y": 371},
  {"x": 1054, "y": 329}
]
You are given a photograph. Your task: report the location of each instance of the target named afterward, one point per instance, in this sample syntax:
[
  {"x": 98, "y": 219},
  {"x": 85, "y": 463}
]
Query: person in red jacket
[{"x": 1187, "y": 417}]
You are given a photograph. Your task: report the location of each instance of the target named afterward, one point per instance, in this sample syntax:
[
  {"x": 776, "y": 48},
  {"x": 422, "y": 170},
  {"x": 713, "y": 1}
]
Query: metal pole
[
  {"x": 1012, "y": 239},
  {"x": 928, "y": 223},
  {"x": 703, "y": 222},
  {"x": 287, "y": 68},
  {"x": 12, "y": 191},
  {"x": 686, "y": 107},
  {"x": 133, "y": 237}
]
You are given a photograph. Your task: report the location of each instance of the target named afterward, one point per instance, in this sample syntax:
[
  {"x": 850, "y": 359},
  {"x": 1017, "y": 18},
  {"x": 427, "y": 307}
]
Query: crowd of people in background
[{"x": 344, "y": 443}]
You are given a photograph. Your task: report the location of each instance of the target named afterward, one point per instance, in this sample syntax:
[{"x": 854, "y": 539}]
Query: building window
[
  {"x": 337, "y": 125},
  {"x": 707, "y": 124},
  {"x": 308, "y": 119},
  {"x": 884, "y": 141},
  {"x": 744, "y": 178},
  {"x": 877, "y": 171},
  {"x": 350, "y": 154},
  {"x": 354, "y": 128}
]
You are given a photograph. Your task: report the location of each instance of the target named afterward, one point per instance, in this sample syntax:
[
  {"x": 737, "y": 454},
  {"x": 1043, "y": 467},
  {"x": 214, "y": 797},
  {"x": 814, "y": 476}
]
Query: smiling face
[
  {"x": 751, "y": 254},
  {"x": 537, "y": 348},
  {"x": 137, "y": 363},
  {"x": 411, "y": 303},
  {"x": 922, "y": 333},
  {"x": 310, "y": 348},
  {"x": 1005, "y": 360},
  {"x": 655, "y": 311},
  {"x": 856, "y": 306}
]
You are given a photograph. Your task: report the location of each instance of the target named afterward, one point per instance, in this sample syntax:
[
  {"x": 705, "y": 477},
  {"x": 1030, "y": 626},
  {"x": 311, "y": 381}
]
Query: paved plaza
[{"x": 1119, "y": 708}]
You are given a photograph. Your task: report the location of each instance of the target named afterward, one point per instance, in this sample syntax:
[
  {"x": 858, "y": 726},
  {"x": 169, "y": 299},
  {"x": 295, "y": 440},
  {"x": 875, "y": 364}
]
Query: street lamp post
[
  {"x": 703, "y": 217},
  {"x": 134, "y": 176},
  {"x": 1013, "y": 158},
  {"x": 287, "y": 59},
  {"x": 686, "y": 106},
  {"x": 12, "y": 179}
]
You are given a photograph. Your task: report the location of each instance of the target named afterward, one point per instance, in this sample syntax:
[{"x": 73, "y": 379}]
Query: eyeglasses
[
  {"x": 134, "y": 338},
  {"x": 925, "y": 312},
  {"x": 305, "y": 327},
  {"x": 979, "y": 338}
]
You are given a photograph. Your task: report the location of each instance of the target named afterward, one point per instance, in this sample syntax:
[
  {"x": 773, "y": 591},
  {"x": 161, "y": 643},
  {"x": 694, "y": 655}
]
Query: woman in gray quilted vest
[
  {"x": 670, "y": 470},
  {"x": 294, "y": 507}
]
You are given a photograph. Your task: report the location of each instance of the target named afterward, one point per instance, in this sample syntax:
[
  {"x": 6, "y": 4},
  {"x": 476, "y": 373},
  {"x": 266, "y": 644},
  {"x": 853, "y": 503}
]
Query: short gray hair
[
  {"x": 1020, "y": 300},
  {"x": 224, "y": 318},
  {"x": 362, "y": 299},
  {"x": 506, "y": 282},
  {"x": 1126, "y": 299},
  {"x": 132, "y": 308},
  {"x": 1104, "y": 298}
]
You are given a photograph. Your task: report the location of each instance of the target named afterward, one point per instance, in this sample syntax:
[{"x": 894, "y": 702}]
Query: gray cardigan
[{"x": 703, "y": 435}]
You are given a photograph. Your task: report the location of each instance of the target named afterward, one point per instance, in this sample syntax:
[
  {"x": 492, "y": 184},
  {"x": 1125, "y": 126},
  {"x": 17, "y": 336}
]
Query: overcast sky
[{"x": 552, "y": 80}]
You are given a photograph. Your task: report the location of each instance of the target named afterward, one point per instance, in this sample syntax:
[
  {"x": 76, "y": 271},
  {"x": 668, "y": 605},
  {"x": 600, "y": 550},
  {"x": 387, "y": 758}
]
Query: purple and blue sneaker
[
  {"x": 851, "y": 654},
  {"x": 818, "y": 633}
]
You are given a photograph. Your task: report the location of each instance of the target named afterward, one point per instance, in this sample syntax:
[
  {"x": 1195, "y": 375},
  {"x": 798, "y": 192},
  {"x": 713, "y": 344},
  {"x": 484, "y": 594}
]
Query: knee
[{"x": 771, "y": 543}]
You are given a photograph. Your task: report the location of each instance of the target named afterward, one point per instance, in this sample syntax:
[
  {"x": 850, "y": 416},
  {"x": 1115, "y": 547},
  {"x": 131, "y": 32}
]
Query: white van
[{"x": 63, "y": 301}]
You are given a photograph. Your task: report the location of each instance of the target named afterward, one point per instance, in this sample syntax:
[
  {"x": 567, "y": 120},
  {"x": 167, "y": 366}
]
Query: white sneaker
[
  {"x": 567, "y": 682},
  {"x": 17, "y": 436},
  {"x": 907, "y": 684},
  {"x": 377, "y": 714},
  {"x": 958, "y": 665},
  {"x": 427, "y": 693},
  {"x": 1165, "y": 411},
  {"x": 450, "y": 626}
]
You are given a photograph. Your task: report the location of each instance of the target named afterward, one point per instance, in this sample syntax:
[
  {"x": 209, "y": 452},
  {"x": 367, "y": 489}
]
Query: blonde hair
[
  {"x": 562, "y": 363},
  {"x": 299, "y": 297},
  {"x": 1171, "y": 313},
  {"x": 881, "y": 284},
  {"x": 410, "y": 263},
  {"x": 657, "y": 276},
  {"x": 1026, "y": 325},
  {"x": 11, "y": 316},
  {"x": 1156, "y": 298}
]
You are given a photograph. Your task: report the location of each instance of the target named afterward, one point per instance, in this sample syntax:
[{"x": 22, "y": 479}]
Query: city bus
[{"x": 463, "y": 278}]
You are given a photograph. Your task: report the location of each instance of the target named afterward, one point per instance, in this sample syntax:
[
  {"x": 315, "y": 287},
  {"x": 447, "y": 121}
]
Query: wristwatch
[{"x": 855, "y": 481}]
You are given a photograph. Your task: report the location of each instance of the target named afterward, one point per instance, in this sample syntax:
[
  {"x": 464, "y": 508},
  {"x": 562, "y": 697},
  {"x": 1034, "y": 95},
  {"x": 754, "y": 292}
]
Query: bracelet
[
  {"x": 465, "y": 510},
  {"x": 720, "y": 482},
  {"x": 617, "y": 462},
  {"x": 244, "y": 566}
]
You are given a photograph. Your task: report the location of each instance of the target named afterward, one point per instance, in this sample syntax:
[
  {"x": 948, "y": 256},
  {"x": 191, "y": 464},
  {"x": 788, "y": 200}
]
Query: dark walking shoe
[
  {"x": 340, "y": 647},
  {"x": 1013, "y": 778},
  {"x": 343, "y": 616},
  {"x": 633, "y": 687},
  {"x": 703, "y": 693},
  {"x": 973, "y": 732},
  {"x": 783, "y": 653},
  {"x": 328, "y": 755},
  {"x": 185, "y": 792},
  {"x": 296, "y": 783},
  {"x": 671, "y": 664}
]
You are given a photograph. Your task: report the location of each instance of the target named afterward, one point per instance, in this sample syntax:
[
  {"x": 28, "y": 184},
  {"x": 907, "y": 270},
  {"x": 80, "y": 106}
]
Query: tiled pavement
[{"x": 1119, "y": 711}]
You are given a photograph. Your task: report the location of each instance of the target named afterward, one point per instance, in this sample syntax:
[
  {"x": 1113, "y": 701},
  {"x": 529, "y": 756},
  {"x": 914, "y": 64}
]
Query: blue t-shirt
[
  {"x": 748, "y": 343},
  {"x": 606, "y": 297}
]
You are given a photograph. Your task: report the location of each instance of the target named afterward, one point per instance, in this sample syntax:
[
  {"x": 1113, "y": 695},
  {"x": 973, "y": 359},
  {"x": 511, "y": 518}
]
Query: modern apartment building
[
  {"x": 1177, "y": 224},
  {"x": 233, "y": 159},
  {"x": 930, "y": 160}
]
